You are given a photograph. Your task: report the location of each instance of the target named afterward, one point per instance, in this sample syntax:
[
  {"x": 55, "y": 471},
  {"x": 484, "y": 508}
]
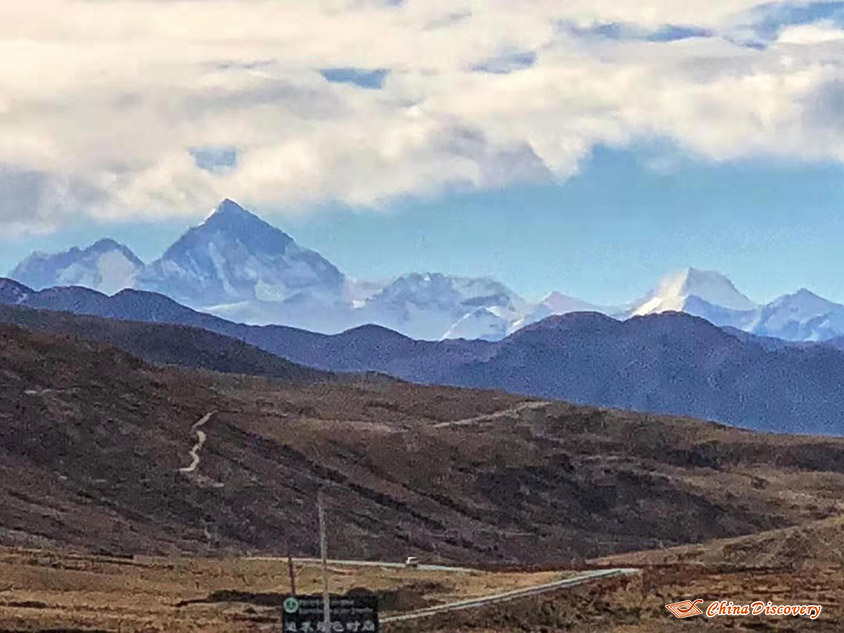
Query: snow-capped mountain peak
[
  {"x": 804, "y": 300},
  {"x": 229, "y": 206},
  {"x": 801, "y": 316},
  {"x": 558, "y": 303},
  {"x": 429, "y": 305},
  {"x": 482, "y": 323},
  {"x": 230, "y": 214},
  {"x": 233, "y": 257},
  {"x": 106, "y": 266},
  {"x": 674, "y": 291}
]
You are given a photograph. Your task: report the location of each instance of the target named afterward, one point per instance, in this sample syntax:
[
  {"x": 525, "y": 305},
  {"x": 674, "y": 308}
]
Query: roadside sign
[{"x": 356, "y": 613}]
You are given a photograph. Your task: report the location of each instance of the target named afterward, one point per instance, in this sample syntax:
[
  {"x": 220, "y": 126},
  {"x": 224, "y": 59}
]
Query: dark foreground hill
[
  {"x": 163, "y": 344},
  {"x": 94, "y": 443},
  {"x": 669, "y": 363}
]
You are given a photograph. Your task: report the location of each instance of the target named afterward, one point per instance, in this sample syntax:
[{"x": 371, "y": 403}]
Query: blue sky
[
  {"x": 582, "y": 146},
  {"x": 606, "y": 235}
]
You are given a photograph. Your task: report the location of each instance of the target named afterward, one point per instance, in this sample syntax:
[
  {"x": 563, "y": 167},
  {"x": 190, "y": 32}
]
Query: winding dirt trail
[
  {"x": 526, "y": 406},
  {"x": 200, "y": 441}
]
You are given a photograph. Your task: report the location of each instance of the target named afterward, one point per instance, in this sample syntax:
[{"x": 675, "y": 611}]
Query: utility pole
[
  {"x": 291, "y": 571},
  {"x": 323, "y": 547}
]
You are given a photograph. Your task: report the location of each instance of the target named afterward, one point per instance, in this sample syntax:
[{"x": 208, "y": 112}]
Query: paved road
[
  {"x": 366, "y": 563},
  {"x": 566, "y": 583},
  {"x": 200, "y": 442},
  {"x": 474, "y": 603}
]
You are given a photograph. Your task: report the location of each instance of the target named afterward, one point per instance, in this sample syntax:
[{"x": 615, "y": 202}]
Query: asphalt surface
[
  {"x": 566, "y": 583},
  {"x": 365, "y": 563},
  {"x": 474, "y": 603}
]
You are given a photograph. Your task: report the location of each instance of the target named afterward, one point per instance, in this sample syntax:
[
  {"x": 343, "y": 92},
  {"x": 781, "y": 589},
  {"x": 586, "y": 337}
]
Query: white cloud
[
  {"x": 106, "y": 104},
  {"x": 814, "y": 33}
]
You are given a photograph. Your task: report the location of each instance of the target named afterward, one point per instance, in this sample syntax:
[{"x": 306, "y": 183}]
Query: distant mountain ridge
[
  {"x": 164, "y": 344},
  {"x": 237, "y": 266},
  {"x": 666, "y": 363}
]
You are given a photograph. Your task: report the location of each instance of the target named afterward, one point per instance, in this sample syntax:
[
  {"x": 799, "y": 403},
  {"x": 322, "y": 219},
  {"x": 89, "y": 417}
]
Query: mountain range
[
  {"x": 665, "y": 363},
  {"x": 237, "y": 266}
]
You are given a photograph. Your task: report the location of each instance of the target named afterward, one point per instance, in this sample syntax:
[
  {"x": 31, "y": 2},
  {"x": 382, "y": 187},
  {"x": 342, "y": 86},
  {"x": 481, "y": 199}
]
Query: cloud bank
[{"x": 154, "y": 108}]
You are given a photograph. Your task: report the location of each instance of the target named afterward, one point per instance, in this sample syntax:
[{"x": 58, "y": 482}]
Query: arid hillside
[
  {"x": 798, "y": 547},
  {"x": 95, "y": 444}
]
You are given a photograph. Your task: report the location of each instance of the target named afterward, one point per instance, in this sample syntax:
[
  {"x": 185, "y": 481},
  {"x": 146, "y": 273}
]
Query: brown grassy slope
[
  {"x": 810, "y": 544},
  {"x": 92, "y": 442},
  {"x": 637, "y": 605}
]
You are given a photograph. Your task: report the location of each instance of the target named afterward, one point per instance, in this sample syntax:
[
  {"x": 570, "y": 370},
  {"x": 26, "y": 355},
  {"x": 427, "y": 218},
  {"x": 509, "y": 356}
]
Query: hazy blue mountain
[
  {"x": 13, "y": 292},
  {"x": 106, "y": 266},
  {"x": 802, "y": 316},
  {"x": 163, "y": 344},
  {"x": 234, "y": 256}
]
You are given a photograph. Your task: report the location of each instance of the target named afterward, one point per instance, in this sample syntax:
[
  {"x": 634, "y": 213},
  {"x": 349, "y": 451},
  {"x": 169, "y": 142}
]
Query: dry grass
[
  {"x": 43, "y": 590},
  {"x": 637, "y": 605},
  {"x": 816, "y": 543}
]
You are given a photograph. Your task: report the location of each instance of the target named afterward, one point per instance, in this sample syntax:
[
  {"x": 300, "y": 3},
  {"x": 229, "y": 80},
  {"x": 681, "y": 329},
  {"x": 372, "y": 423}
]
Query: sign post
[
  {"x": 292, "y": 571},
  {"x": 323, "y": 548}
]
